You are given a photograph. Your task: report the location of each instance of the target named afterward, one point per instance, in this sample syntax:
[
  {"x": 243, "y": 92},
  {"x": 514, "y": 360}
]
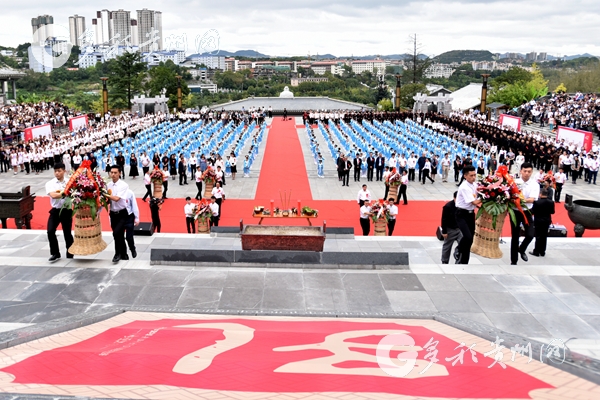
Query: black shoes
[
  {"x": 133, "y": 253},
  {"x": 54, "y": 257},
  {"x": 524, "y": 257},
  {"x": 125, "y": 257},
  {"x": 534, "y": 254},
  {"x": 116, "y": 258}
]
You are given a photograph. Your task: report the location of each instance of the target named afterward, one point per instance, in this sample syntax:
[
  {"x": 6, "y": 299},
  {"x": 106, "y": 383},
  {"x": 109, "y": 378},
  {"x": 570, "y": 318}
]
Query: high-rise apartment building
[
  {"x": 149, "y": 30},
  {"x": 76, "y": 29},
  {"x": 104, "y": 27},
  {"x": 40, "y": 29},
  {"x": 135, "y": 39},
  {"x": 121, "y": 26}
]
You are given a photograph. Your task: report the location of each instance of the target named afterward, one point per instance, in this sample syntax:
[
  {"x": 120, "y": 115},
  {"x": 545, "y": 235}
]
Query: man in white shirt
[
  {"x": 55, "y": 189},
  {"x": 365, "y": 215},
  {"x": 560, "y": 178},
  {"x": 219, "y": 195},
  {"x": 363, "y": 195},
  {"x": 145, "y": 160},
  {"x": 188, "y": 210},
  {"x": 166, "y": 176},
  {"x": 403, "y": 187},
  {"x": 133, "y": 220},
  {"x": 393, "y": 210},
  {"x": 214, "y": 209},
  {"x": 118, "y": 212},
  {"x": 412, "y": 164},
  {"x": 531, "y": 192},
  {"x": 445, "y": 167},
  {"x": 593, "y": 169},
  {"x": 466, "y": 201},
  {"x": 76, "y": 161}
]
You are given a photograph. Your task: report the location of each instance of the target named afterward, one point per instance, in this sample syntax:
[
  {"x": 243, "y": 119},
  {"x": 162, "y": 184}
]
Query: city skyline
[{"x": 294, "y": 30}]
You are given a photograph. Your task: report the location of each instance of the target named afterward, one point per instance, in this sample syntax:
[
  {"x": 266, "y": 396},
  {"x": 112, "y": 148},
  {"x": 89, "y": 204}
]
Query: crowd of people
[
  {"x": 15, "y": 118},
  {"x": 581, "y": 111}
]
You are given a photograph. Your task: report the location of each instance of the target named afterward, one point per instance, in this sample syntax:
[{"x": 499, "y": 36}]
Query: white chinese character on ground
[
  {"x": 431, "y": 355},
  {"x": 497, "y": 349},
  {"x": 518, "y": 349},
  {"x": 460, "y": 356}
]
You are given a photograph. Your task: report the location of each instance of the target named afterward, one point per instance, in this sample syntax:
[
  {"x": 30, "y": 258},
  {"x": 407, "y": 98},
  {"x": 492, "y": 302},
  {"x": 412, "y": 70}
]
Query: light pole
[
  {"x": 484, "y": 93},
  {"x": 178, "y": 92},
  {"x": 104, "y": 96},
  {"x": 398, "y": 90}
]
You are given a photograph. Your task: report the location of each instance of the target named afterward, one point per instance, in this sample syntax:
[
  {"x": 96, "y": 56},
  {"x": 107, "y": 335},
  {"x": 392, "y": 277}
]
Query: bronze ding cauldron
[{"x": 585, "y": 214}]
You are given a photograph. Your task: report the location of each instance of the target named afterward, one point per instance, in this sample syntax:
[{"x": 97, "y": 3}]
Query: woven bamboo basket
[
  {"x": 486, "y": 241},
  {"x": 203, "y": 225},
  {"x": 88, "y": 234},
  {"x": 158, "y": 189},
  {"x": 208, "y": 189},
  {"x": 380, "y": 227},
  {"x": 393, "y": 192}
]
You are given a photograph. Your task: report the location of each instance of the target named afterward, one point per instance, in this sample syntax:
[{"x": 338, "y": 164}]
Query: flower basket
[
  {"x": 486, "y": 241},
  {"x": 380, "y": 227},
  {"x": 208, "y": 187},
  {"x": 85, "y": 195},
  {"x": 157, "y": 189},
  {"x": 203, "y": 225},
  {"x": 393, "y": 192},
  {"x": 88, "y": 234}
]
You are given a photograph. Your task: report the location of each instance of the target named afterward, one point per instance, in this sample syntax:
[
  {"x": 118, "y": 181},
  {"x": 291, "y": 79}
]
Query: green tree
[
  {"x": 385, "y": 105},
  {"x": 126, "y": 74},
  {"x": 410, "y": 90},
  {"x": 163, "y": 76}
]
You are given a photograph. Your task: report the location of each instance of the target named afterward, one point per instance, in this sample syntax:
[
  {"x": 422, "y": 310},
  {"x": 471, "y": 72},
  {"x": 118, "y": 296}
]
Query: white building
[
  {"x": 373, "y": 66},
  {"x": 438, "y": 71},
  {"x": 104, "y": 31},
  {"x": 333, "y": 67},
  {"x": 40, "y": 58},
  {"x": 156, "y": 57},
  {"x": 198, "y": 88},
  {"x": 231, "y": 64},
  {"x": 92, "y": 55},
  {"x": 121, "y": 26},
  {"x": 76, "y": 29},
  {"x": 212, "y": 62}
]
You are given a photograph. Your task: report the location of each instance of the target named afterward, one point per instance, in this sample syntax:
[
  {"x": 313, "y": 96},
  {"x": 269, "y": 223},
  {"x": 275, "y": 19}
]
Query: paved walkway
[{"x": 552, "y": 297}]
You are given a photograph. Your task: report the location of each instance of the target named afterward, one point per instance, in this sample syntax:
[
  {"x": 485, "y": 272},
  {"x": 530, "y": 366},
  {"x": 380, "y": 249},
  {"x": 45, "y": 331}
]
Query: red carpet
[{"x": 283, "y": 169}]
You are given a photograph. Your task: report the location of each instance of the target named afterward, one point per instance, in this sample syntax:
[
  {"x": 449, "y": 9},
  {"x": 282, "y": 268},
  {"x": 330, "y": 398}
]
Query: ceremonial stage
[{"x": 287, "y": 165}]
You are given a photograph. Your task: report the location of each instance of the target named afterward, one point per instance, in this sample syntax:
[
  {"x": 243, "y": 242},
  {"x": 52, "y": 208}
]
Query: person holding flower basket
[
  {"x": 466, "y": 201},
  {"x": 55, "y": 189},
  {"x": 530, "y": 193}
]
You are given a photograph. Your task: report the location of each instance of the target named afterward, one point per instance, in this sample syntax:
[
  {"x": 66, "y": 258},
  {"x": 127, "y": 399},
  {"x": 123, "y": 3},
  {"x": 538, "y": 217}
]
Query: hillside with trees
[{"x": 459, "y": 56}]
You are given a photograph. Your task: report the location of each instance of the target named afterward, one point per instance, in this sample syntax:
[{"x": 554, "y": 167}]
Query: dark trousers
[
  {"x": 425, "y": 175},
  {"x": 220, "y": 203},
  {"x": 155, "y": 220},
  {"x": 199, "y": 194},
  {"x": 356, "y": 174},
  {"x": 567, "y": 169},
  {"x": 118, "y": 221},
  {"x": 145, "y": 169},
  {"x": 214, "y": 220},
  {"x": 541, "y": 236},
  {"x": 515, "y": 230},
  {"x": 129, "y": 227},
  {"x": 65, "y": 219},
  {"x": 454, "y": 235},
  {"x": 466, "y": 223},
  {"x": 559, "y": 187},
  {"x": 183, "y": 178},
  {"x": 193, "y": 171},
  {"x": 369, "y": 173},
  {"x": 365, "y": 224},
  {"x": 165, "y": 189},
  {"x": 379, "y": 175},
  {"x": 148, "y": 192},
  {"x": 592, "y": 177},
  {"x": 456, "y": 174},
  {"x": 346, "y": 178},
  {"x": 387, "y": 190},
  {"x": 411, "y": 174},
  {"x": 402, "y": 193},
  {"x": 189, "y": 223},
  {"x": 391, "y": 226}
]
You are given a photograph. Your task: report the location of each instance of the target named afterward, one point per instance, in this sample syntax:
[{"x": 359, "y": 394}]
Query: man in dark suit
[
  {"x": 347, "y": 168},
  {"x": 450, "y": 230},
  {"x": 340, "y": 166},
  {"x": 421, "y": 163},
  {"x": 370, "y": 167},
  {"x": 542, "y": 211},
  {"x": 357, "y": 164},
  {"x": 120, "y": 160},
  {"x": 379, "y": 165}
]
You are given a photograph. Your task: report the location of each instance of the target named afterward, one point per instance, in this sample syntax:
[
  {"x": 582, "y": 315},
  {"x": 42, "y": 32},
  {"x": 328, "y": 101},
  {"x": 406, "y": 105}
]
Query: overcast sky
[{"x": 349, "y": 27}]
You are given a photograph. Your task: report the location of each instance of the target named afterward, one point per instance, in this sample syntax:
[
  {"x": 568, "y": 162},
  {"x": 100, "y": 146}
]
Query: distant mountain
[
  {"x": 464, "y": 55},
  {"x": 578, "y": 56}
]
